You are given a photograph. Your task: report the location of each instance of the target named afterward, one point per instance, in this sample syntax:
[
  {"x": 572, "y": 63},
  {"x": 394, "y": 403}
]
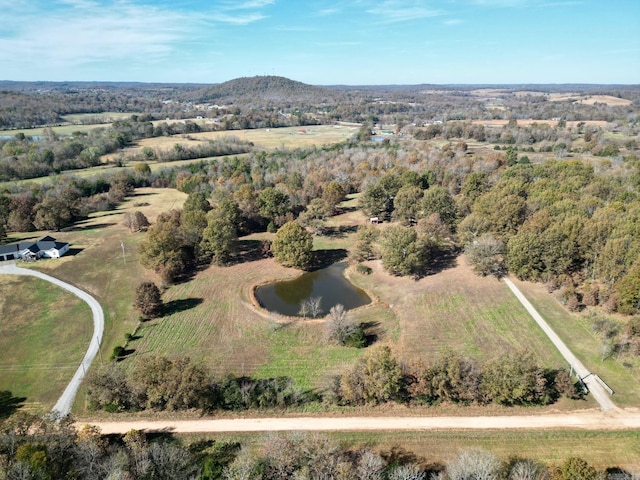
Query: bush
[
  {"x": 117, "y": 353},
  {"x": 148, "y": 300},
  {"x": 363, "y": 269}
]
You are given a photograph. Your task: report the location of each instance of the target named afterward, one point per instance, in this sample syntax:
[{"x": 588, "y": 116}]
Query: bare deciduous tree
[
  {"x": 475, "y": 463},
  {"x": 311, "y": 306},
  {"x": 406, "y": 472}
]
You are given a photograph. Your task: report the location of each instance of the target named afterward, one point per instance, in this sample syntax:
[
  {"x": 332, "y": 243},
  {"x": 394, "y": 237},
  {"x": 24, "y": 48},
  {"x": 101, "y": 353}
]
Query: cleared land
[
  {"x": 266, "y": 138},
  {"x": 75, "y": 122},
  {"x": 44, "y": 332}
]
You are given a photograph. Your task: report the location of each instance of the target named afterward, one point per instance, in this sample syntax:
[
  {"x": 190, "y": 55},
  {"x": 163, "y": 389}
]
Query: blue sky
[{"x": 322, "y": 42}]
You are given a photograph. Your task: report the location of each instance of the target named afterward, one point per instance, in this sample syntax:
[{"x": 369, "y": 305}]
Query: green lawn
[{"x": 44, "y": 333}]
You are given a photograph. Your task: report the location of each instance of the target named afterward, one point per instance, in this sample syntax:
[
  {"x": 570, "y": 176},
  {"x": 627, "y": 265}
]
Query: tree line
[{"x": 161, "y": 383}]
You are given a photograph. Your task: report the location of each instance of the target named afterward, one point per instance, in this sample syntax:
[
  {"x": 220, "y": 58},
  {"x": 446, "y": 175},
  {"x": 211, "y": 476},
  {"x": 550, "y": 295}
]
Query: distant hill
[{"x": 265, "y": 88}]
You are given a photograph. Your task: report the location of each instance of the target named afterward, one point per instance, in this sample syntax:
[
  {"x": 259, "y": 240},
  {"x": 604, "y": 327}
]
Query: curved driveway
[
  {"x": 64, "y": 403},
  {"x": 599, "y": 394}
]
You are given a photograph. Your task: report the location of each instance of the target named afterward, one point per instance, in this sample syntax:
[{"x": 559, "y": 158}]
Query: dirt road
[
  {"x": 596, "y": 390},
  {"x": 64, "y": 403},
  {"x": 588, "y": 420}
]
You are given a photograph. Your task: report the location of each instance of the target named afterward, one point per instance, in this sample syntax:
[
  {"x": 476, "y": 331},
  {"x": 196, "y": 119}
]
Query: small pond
[{"x": 329, "y": 284}]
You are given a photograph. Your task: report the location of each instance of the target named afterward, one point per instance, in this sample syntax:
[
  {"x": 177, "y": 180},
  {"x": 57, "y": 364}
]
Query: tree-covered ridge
[{"x": 261, "y": 88}]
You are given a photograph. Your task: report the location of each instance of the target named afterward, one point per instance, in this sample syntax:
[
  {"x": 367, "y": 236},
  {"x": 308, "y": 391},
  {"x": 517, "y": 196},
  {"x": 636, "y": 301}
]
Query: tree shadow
[
  {"x": 324, "y": 258},
  {"x": 340, "y": 231},
  {"x": 442, "y": 258},
  {"x": 82, "y": 228},
  {"x": 398, "y": 455},
  {"x": 371, "y": 332},
  {"x": 126, "y": 353},
  {"x": 180, "y": 305},
  {"x": 9, "y": 404},
  {"x": 252, "y": 250}
]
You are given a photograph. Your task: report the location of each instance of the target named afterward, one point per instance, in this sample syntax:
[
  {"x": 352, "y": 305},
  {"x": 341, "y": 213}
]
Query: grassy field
[
  {"x": 96, "y": 265},
  {"x": 266, "y": 138},
  {"x": 584, "y": 344},
  {"x": 76, "y": 122},
  {"x": 601, "y": 449},
  {"x": 43, "y": 336}
]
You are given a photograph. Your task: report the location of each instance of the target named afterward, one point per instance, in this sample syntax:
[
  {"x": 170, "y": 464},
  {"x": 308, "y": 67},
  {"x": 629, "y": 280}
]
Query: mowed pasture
[
  {"x": 264, "y": 138},
  {"x": 96, "y": 263},
  {"x": 44, "y": 332},
  {"x": 212, "y": 318}
]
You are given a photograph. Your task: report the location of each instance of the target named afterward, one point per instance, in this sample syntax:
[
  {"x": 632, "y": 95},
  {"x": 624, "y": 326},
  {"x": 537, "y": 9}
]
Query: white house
[{"x": 46, "y": 247}]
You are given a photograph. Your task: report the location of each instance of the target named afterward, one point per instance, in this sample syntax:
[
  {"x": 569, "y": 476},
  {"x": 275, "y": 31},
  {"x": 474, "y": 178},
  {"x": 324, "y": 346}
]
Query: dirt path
[
  {"x": 64, "y": 403},
  {"x": 589, "y": 420},
  {"x": 599, "y": 394}
]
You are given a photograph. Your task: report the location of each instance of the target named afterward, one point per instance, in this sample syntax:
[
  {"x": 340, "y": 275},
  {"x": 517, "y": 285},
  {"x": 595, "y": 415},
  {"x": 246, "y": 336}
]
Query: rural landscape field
[
  {"x": 425, "y": 218},
  {"x": 277, "y": 240}
]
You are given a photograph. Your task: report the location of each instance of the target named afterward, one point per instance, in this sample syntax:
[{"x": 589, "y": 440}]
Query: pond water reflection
[{"x": 328, "y": 283}]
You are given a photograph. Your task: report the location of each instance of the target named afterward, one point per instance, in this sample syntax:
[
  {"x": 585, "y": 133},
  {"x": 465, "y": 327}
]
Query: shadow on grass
[
  {"x": 340, "y": 231},
  {"x": 371, "y": 330},
  {"x": 94, "y": 226},
  {"x": 252, "y": 250},
  {"x": 180, "y": 305},
  {"x": 73, "y": 251},
  {"x": 324, "y": 258},
  {"x": 124, "y": 354},
  {"x": 442, "y": 259},
  {"x": 9, "y": 404}
]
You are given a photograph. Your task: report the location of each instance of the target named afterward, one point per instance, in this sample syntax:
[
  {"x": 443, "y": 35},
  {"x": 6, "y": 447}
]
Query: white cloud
[
  {"x": 244, "y": 19},
  {"x": 86, "y": 34},
  {"x": 453, "y": 21},
  {"x": 247, "y": 4},
  {"x": 394, "y": 11}
]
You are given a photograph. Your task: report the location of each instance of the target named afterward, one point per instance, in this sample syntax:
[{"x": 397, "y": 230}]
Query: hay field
[{"x": 590, "y": 99}]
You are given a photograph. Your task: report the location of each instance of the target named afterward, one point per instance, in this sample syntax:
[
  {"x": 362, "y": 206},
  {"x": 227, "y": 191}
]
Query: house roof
[{"x": 44, "y": 243}]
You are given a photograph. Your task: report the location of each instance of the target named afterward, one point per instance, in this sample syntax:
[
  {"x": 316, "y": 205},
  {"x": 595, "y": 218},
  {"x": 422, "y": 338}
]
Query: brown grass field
[{"x": 265, "y": 138}]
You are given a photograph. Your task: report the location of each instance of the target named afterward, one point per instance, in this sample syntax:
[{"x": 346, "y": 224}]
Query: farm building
[{"x": 46, "y": 247}]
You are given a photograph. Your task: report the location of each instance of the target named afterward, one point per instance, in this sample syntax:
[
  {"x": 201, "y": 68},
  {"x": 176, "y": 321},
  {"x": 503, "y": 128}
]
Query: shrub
[{"x": 363, "y": 269}]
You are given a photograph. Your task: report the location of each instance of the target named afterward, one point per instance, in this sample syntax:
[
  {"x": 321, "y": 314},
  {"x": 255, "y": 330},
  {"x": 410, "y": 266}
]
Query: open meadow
[
  {"x": 44, "y": 332},
  {"x": 262, "y": 138}
]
